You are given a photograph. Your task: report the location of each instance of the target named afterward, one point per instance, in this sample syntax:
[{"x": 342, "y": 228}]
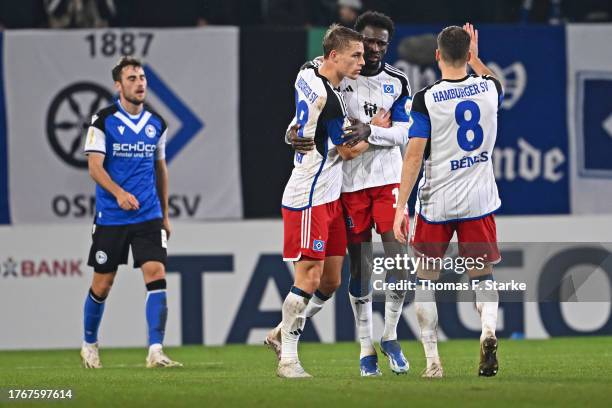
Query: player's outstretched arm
[
  {"x": 95, "y": 162},
  {"x": 410, "y": 171},
  {"x": 161, "y": 175},
  {"x": 475, "y": 62}
]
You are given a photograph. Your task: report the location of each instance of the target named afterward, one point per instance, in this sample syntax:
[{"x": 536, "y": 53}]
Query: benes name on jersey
[
  {"x": 468, "y": 161},
  {"x": 454, "y": 93}
]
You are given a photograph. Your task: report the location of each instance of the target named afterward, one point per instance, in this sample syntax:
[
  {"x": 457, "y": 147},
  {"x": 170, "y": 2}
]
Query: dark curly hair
[
  {"x": 125, "y": 61},
  {"x": 375, "y": 19}
]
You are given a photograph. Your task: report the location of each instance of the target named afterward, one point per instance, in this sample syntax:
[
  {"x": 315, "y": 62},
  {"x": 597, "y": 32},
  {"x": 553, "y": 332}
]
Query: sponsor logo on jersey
[
  {"x": 469, "y": 161},
  {"x": 370, "y": 109},
  {"x": 318, "y": 245},
  {"x": 388, "y": 88},
  {"x": 121, "y": 129},
  {"x": 348, "y": 89},
  {"x": 140, "y": 149}
]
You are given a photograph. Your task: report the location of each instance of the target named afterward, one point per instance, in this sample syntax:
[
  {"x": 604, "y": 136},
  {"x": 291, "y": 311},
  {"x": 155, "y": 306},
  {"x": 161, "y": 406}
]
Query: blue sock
[
  {"x": 157, "y": 311},
  {"x": 92, "y": 316}
]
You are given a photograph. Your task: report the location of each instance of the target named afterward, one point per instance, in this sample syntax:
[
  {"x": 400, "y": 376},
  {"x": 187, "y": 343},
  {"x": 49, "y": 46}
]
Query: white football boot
[
  {"x": 291, "y": 369},
  {"x": 434, "y": 370},
  {"x": 273, "y": 340},
  {"x": 157, "y": 358},
  {"x": 90, "y": 355}
]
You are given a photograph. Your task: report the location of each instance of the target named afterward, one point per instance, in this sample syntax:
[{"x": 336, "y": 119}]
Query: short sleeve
[
  {"x": 95, "y": 141},
  {"x": 334, "y": 130},
  {"x": 400, "y": 110},
  {"x": 160, "y": 152},
  {"x": 498, "y": 87},
  {"x": 419, "y": 115}
]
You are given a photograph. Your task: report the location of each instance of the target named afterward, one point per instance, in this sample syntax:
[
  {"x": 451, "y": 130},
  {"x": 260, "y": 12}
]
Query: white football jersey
[
  {"x": 381, "y": 163},
  {"x": 317, "y": 175},
  {"x": 460, "y": 119}
]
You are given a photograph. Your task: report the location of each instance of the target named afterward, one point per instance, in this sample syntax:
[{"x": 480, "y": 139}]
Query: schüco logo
[
  {"x": 51, "y": 268},
  {"x": 128, "y": 149}
]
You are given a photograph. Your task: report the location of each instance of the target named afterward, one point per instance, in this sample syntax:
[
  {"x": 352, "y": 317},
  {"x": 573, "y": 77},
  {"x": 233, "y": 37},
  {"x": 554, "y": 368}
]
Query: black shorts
[{"x": 111, "y": 245}]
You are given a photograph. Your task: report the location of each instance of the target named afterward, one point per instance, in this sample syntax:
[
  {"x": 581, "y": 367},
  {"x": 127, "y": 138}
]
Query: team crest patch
[
  {"x": 318, "y": 245},
  {"x": 150, "y": 131},
  {"x": 388, "y": 88},
  {"x": 101, "y": 257}
]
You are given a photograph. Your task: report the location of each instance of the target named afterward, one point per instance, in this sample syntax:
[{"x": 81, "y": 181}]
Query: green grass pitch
[{"x": 558, "y": 372}]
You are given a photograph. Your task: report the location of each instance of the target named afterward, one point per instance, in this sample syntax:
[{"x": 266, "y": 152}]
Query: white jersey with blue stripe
[
  {"x": 317, "y": 175},
  {"x": 131, "y": 144},
  {"x": 459, "y": 117},
  {"x": 381, "y": 163}
]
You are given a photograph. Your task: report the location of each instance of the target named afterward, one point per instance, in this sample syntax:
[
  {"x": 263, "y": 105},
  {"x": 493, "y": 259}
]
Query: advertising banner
[
  {"x": 227, "y": 282},
  {"x": 589, "y": 82}
]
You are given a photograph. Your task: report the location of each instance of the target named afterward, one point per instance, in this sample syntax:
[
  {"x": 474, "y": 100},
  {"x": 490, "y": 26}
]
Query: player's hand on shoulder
[
  {"x": 382, "y": 119},
  {"x": 400, "y": 227},
  {"x": 315, "y": 63},
  {"x": 356, "y": 133},
  {"x": 127, "y": 201},
  {"x": 300, "y": 144}
]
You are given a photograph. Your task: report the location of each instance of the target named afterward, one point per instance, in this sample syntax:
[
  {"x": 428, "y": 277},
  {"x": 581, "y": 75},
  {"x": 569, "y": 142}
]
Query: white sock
[
  {"x": 155, "y": 347},
  {"x": 292, "y": 325},
  {"x": 315, "y": 305},
  {"x": 427, "y": 315},
  {"x": 393, "y": 311},
  {"x": 487, "y": 301},
  {"x": 362, "y": 310}
]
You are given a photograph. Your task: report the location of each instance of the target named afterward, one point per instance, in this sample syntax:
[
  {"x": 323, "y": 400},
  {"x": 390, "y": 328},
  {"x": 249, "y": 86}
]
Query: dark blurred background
[{"x": 184, "y": 13}]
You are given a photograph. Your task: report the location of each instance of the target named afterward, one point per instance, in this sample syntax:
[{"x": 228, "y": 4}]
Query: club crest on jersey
[
  {"x": 121, "y": 129},
  {"x": 150, "y": 131},
  {"x": 388, "y": 88},
  {"x": 318, "y": 245}
]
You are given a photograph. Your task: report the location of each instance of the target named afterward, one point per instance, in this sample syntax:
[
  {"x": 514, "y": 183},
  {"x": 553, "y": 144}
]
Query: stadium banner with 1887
[{"x": 54, "y": 81}]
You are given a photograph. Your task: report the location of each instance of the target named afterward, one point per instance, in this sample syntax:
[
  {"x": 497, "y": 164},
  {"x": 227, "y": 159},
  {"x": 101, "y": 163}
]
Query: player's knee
[
  {"x": 329, "y": 285},
  {"x": 312, "y": 280},
  {"x": 102, "y": 287},
  {"x": 154, "y": 271}
]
